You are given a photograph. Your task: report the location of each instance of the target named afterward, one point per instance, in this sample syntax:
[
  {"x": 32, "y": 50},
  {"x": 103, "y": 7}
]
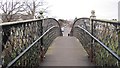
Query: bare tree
[
  {"x": 10, "y": 9},
  {"x": 34, "y": 7}
]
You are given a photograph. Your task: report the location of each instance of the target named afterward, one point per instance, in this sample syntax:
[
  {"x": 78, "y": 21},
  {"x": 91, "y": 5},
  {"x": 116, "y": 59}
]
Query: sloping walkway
[{"x": 66, "y": 51}]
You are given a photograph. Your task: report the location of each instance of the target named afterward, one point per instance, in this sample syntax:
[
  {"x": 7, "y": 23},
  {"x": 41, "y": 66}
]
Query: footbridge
[{"x": 41, "y": 42}]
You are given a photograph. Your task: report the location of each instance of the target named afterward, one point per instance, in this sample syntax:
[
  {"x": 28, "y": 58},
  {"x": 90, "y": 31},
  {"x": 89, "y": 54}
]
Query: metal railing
[
  {"x": 100, "y": 38},
  {"x": 24, "y": 43}
]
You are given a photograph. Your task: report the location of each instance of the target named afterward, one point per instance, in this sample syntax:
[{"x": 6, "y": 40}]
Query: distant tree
[{"x": 9, "y": 9}]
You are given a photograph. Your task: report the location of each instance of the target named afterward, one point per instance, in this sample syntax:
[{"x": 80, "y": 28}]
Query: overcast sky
[{"x": 69, "y": 9}]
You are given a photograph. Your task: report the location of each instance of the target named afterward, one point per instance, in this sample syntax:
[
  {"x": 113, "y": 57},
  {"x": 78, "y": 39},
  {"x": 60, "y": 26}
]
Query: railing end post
[
  {"x": 92, "y": 40},
  {"x": 0, "y": 46},
  {"x": 119, "y": 41}
]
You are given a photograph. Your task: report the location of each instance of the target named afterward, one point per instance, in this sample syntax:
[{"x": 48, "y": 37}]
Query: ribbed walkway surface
[{"x": 66, "y": 51}]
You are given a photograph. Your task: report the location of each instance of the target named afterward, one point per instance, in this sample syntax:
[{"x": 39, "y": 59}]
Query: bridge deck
[{"x": 66, "y": 51}]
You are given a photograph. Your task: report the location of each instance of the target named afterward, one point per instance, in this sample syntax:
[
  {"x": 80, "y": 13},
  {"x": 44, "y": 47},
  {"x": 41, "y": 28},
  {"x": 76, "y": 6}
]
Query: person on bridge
[{"x": 62, "y": 29}]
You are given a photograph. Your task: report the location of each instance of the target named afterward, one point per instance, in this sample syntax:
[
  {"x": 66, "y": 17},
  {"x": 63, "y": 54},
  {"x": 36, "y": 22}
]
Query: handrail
[
  {"x": 19, "y": 22},
  {"x": 103, "y": 45},
  {"x": 107, "y": 21},
  {"x": 79, "y": 19},
  {"x": 100, "y": 20},
  {"x": 20, "y": 55},
  {"x": 26, "y": 21}
]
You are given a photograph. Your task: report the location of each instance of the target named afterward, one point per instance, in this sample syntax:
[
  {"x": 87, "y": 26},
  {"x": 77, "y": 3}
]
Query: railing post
[
  {"x": 119, "y": 27},
  {"x": 42, "y": 45},
  {"x": 92, "y": 32},
  {"x": 42, "y": 17},
  {"x": 92, "y": 41},
  {"x": 119, "y": 30},
  {"x": 119, "y": 43},
  {"x": 41, "y": 32},
  {"x": 0, "y": 46}
]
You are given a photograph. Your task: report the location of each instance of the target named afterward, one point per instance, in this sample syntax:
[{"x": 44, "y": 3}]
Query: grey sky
[
  {"x": 105, "y": 9},
  {"x": 69, "y": 9}
]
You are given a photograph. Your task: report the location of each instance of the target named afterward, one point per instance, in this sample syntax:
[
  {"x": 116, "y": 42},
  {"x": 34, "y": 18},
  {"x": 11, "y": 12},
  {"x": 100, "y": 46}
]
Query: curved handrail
[
  {"x": 20, "y": 55},
  {"x": 79, "y": 19},
  {"x": 103, "y": 34},
  {"x": 100, "y": 20},
  {"x": 55, "y": 20},
  {"x": 103, "y": 45},
  {"x": 57, "y": 23}
]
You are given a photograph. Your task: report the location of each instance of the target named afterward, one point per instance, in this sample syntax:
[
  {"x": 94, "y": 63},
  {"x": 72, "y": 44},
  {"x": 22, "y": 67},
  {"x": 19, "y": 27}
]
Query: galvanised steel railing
[
  {"x": 100, "y": 38},
  {"x": 24, "y": 43}
]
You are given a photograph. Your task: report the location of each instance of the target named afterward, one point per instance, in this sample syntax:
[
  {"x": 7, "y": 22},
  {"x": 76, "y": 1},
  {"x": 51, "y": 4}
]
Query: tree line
[{"x": 12, "y": 9}]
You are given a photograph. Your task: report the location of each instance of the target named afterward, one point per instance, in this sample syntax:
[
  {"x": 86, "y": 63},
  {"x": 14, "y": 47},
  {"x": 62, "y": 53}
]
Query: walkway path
[{"x": 66, "y": 51}]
